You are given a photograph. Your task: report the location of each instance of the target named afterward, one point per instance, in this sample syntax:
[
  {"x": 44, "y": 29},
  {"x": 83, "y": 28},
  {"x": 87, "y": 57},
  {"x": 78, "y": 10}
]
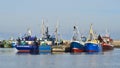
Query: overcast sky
[{"x": 18, "y": 15}]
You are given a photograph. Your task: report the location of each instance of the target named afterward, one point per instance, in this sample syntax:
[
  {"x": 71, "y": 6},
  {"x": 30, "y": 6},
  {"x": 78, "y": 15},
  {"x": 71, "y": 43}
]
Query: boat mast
[
  {"x": 56, "y": 32},
  {"x": 91, "y": 33},
  {"x": 107, "y": 33},
  {"x": 29, "y": 32},
  {"x": 43, "y": 29},
  {"x": 47, "y": 33}
]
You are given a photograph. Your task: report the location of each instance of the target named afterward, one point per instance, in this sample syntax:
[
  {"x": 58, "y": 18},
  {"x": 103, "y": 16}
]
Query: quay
[
  {"x": 116, "y": 43},
  {"x": 62, "y": 47}
]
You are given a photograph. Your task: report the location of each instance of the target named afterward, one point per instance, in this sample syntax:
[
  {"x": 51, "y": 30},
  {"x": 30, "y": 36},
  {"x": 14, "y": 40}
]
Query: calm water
[{"x": 9, "y": 58}]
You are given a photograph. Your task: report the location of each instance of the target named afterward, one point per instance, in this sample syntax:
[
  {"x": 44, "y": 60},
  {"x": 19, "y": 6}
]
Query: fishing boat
[
  {"x": 57, "y": 46},
  {"x": 23, "y": 48},
  {"x": 76, "y": 45},
  {"x": 92, "y": 44},
  {"x": 106, "y": 42},
  {"x": 46, "y": 40},
  {"x": 26, "y": 43},
  {"x": 44, "y": 47}
]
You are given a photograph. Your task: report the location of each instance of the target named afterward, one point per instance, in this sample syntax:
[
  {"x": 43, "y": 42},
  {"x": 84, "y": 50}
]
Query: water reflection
[
  {"x": 40, "y": 53},
  {"x": 94, "y": 53},
  {"x": 10, "y": 58},
  {"x": 13, "y": 51},
  {"x": 44, "y": 53},
  {"x": 20, "y": 53},
  {"x": 7, "y": 51}
]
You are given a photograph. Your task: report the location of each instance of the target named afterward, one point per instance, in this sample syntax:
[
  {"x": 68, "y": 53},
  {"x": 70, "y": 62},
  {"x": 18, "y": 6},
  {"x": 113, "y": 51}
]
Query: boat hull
[
  {"x": 92, "y": 47},
  {"x": 45, "y": 48},
  {"x": 23, "y": 48},
  {"x": 106, "y": 47},
  {"x": 76, "y": 47},
  {"x": 75, "y": 50}
]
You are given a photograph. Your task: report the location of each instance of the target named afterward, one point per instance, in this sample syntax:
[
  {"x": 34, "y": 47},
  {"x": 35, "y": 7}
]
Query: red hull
[
  {"x": 75, "y": 50},
  {"x": 107, "y": 47}
]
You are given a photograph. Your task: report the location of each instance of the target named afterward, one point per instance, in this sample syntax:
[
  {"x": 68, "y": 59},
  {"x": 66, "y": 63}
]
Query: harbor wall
[{"x": 116, "y": 43}]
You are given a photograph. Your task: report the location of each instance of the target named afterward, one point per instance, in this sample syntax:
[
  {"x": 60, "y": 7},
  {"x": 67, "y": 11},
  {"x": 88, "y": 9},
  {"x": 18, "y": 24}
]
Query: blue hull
[
  {"x": 45, "y": 48},
  {"x": 91, "y": 47},
  {"x": 76, "y": 47},
  {"x": 23, "y": 47},
  {"x": 27, "y": 48}
]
